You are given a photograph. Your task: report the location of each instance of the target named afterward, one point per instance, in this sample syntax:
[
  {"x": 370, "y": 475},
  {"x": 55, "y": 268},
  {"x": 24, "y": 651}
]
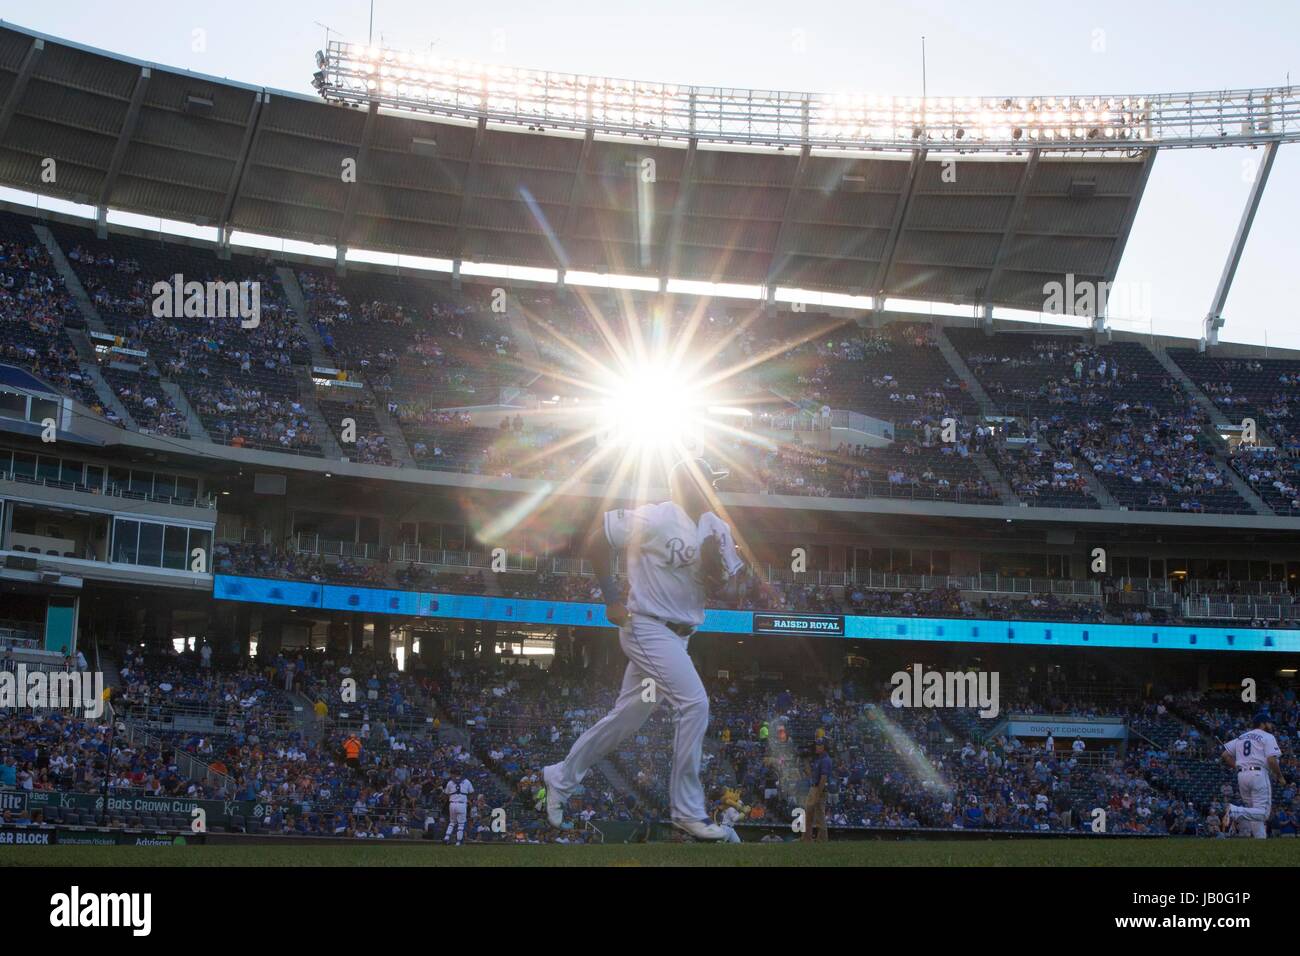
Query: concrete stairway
[
  {"x": 1193, "y": 390},
  {"x": 320, "y": 428},
  {"x": 107, "y": 397},
  {"x": 1242, "y": 487},
  {"x": 298, "y": 302},
  {"x": 80, "y": 341},
  {"x": 95, "y": 322},
  {"x": 61, "y": 264},
  {"x": 1095, "y": 487},
  {"x": 193, "y": 421},
  {"x": 994, "y": 477},
  {"x": 392, "y": 432},
  {"x": 83, "y": 347},
  {"x": 522, "y": 333},
  {"x": 1220, "y": 422},
  {"x": 964, "y": 373},
  {"x": 109, "y": 667}
]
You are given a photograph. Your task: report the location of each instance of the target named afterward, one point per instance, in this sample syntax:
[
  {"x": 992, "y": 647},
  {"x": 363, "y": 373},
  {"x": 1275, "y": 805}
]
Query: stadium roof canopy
[{"x": 927, "y": 223}]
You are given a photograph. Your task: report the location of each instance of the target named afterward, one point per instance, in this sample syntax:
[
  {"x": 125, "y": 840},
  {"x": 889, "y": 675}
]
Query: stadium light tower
[{"x": 1098, "y": 124}]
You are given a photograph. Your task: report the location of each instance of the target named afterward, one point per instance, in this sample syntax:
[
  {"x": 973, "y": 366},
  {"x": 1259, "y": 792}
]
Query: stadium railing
[
  {"x": 987, "y": 583},
  {"x": 813, "y": 421},
  {"x": 187, "y": 764},
  {"x": 870, "y": 580},
  {"x": 315, "y": 544},
  {"x": 1202, "y": 586},
  {"x": 1204, "y": 608},
  {"x": 21, "y": 634},
  {"x": 515, "y": 561},
  {"x": 209, "y": 501}
]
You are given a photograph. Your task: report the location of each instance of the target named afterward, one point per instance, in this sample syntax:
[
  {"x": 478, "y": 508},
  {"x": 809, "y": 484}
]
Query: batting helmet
[{"x": 698, "y": 469}]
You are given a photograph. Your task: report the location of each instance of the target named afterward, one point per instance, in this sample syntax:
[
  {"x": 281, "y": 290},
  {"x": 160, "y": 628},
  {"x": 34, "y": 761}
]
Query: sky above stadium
[{"x": 1192, "y": 204}]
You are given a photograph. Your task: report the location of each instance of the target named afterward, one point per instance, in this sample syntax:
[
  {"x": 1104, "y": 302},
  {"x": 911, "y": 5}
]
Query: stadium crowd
[{"x": 374, "y": 764}]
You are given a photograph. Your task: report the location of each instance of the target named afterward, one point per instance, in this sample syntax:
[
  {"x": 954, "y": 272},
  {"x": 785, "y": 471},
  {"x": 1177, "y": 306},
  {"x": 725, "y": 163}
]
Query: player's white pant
[
  {"x": 456, "y": 820},
  {"x": 656, "y": 653},
  {"x": 1257, "y": 797}
]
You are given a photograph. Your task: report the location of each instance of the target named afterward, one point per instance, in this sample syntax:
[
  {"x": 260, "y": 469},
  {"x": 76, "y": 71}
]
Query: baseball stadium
[{"x": 452, "y": 461}]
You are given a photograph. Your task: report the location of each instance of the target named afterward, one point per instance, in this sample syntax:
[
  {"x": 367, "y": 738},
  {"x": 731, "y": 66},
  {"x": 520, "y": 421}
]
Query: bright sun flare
[
  {"x": 652, "y": 408},
  {"x": 636, "y": 393}
]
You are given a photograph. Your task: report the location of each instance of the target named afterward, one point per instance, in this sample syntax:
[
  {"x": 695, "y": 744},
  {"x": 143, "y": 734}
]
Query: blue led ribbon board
[{"x": 473, "y": 607}]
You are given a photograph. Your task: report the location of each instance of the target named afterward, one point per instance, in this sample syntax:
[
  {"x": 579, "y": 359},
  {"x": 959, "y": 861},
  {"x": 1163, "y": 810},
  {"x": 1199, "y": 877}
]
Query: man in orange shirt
[{"x": 352, "y": 751}]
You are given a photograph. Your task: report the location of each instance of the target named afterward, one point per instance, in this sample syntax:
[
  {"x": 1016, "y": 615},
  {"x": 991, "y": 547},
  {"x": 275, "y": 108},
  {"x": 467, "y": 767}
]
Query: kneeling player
[{"x": 1254, "y": 755}]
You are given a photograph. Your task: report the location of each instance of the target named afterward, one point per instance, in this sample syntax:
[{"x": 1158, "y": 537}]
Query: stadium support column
[
  {"x": 357, "y": 633},
  {"x": 337, "y": 637},
  {"x": 119, "y": 152},
  {"x": 353, "y": 189},
  {"x": 158, "y": 626},
  {"x": 570, "y": 220},
  {"x": 468, "y": 640},
  {"x": 488, "y": 641},
  {"x": 19, "y": 85},
  {"x": 1214, "y": 318},
  {"x": 383, "y": 637},
  {"x": 781, "y": 248},
  {"x": 221, "y": 630},
  {"x": 468, "y": 188},
  {"x": 271, "y": 640},
  {"x": 1100, "y": 334},
  {"x": 243, "y": 632},
  {"x": 1125, "y": 228},
  {"x": 880, "y": 280},
  {"x": 247, "y": 146},
  {"x": 436, "y": 645},
  {"x": 562, "y": 644},
  {"x": 669, "y": 262},
  {"x": 1014, "y": 218}
]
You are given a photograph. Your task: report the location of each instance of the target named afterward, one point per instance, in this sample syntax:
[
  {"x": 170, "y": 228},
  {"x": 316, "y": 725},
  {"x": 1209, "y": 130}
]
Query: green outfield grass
[{"x": 1171, "y": 852}]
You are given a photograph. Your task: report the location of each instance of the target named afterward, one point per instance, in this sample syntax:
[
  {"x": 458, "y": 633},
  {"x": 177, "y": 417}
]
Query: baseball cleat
[
  {"x": 1225, "y": 821},
  {"x": 554, "y": 801},
  {"x": 704, "y": 830}
]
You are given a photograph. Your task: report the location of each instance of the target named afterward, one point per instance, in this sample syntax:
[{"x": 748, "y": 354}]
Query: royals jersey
[
  {"x": 662, "y": 545},
  {"x": 458, "y": 792},
  {"x": 1252, "y": 749}
]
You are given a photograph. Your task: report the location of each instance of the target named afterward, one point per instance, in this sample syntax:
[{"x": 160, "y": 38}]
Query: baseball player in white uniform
[
  {"x": 1255, "y": 756},
  {"x": 675, "y": 552},
  {"x": 457, "y": 790}
]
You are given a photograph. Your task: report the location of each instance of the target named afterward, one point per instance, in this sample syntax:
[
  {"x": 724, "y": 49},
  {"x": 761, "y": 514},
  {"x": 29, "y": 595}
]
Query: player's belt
[{"x": 680, "y": 628}]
